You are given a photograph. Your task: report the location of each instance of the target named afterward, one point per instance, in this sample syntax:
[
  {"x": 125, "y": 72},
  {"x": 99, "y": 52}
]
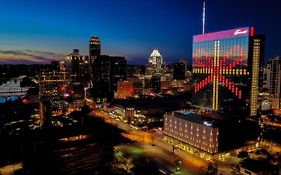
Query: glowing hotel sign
[{"x": 222, "y": 35}]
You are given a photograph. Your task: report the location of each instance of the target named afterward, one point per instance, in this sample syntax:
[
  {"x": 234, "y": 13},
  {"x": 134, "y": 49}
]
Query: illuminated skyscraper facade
[
  {"x": 94, "y": 47},
  {"x": 155, "y": 59},
  {"x": 107, "y": 71},
  {"x": 273, "y": 81},
  {"x": 226, "y": 69},
  {"x": 78, "y": 67},
  {"x": 155, "y": 63}
]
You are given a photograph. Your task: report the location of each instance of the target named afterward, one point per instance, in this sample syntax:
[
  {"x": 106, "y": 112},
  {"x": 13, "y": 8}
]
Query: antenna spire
[{"x": 203, "y": 16}]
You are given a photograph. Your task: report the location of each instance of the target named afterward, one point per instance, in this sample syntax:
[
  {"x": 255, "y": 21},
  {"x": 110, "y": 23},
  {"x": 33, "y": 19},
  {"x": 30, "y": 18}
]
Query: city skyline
[
  {"x": 37, "y": 31},
  {"x": 140, "y": 87}
]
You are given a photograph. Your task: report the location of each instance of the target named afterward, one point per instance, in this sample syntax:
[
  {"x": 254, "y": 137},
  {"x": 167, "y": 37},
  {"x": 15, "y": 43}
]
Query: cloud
[{"x": 28, "y": 57}]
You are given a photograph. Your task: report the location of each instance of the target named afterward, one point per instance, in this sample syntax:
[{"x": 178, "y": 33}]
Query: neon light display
[
  {"x": 220, "y": 66},
  {"x": 222, "y": 35}
]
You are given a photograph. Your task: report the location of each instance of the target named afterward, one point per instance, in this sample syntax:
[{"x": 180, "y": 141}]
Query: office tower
[
  {"x": 107, "y": 71},
  {"x": 78, "y": 67},
  {"x": 273, "y": 81},
  {"x": 184, "y": 62},
  {"x": 155, "y": 59},
  {"x": 155, "y": 84},
  {"x": 94, "y": 47},
  {"x": 53, "y": 86},
  {"x": 226, "y": 67},
  {"x": 155, "y": 63},
  {"x": 94, "y": 52},
  {"x": 179, "y": 71},
  {"x": 256, "y": 55},
  {"x": 261, "y": 37},
  {"x": 118, "y": 70}
]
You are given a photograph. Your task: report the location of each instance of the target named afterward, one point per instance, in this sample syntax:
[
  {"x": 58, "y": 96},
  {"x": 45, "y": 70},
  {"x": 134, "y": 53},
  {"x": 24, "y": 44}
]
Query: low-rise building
[
  {"x": 125, "y": 113},
  {"x": 191, "y": 129},
  {"x": 211, "y": 133},
  {"x": 125, "y": 89}
]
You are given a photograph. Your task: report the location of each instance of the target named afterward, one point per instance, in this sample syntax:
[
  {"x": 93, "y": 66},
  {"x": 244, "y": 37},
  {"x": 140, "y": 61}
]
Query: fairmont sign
[{"x": 222, "y": 35}]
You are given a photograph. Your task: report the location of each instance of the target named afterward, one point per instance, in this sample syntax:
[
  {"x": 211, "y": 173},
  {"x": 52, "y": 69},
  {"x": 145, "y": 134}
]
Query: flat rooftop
[{"x": 208, "y": 119}]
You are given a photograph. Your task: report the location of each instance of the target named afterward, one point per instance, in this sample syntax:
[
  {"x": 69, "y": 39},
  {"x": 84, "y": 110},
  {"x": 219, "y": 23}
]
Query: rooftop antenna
[{"x": 203, "y": 16}]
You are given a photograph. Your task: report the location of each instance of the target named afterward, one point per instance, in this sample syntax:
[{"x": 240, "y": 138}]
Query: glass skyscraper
[{"x": 226, "y": 69}]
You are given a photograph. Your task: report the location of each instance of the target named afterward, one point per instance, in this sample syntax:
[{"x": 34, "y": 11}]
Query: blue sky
[{"x": 130, "y": 28}]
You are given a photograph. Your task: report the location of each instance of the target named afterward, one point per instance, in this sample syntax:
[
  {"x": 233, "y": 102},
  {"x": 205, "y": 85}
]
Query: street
[{"x": 156, "y": 149}]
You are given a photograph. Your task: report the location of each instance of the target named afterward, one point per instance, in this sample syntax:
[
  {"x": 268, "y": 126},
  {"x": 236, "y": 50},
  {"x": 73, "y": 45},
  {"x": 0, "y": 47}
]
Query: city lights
[{"x": 140, "y": 87}]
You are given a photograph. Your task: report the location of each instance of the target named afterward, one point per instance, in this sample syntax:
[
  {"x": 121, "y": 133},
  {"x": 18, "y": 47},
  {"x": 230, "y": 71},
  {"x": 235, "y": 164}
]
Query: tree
[
  {"x": 243, "y": 154},
  {"x": 212, "y": 169}
]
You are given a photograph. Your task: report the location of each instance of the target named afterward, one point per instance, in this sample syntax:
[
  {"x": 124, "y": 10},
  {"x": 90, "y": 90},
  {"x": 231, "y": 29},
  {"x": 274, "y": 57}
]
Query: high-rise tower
[
  {"x": 273, "y": 81},
  {"x": 94, "y": 47},
  {"x": 155, "y": 63},
  {"x": 226, "y": 68},
  {"x": 107, "y": 71},
  {"x": 155, "y": 59},
  {"x": 78, "y": 67}
]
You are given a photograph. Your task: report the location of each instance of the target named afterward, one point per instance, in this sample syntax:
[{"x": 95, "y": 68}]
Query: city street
[
  {"x": 156, "y": 149},
  {"x": 161, "y": 156},
  {"x": 191, "y": 163}
]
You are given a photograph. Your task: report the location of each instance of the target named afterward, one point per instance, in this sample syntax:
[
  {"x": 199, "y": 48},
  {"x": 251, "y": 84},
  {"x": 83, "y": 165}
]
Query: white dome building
[
  {"x": 155, "y": 63},
  {"x": 155, "y": 59}
]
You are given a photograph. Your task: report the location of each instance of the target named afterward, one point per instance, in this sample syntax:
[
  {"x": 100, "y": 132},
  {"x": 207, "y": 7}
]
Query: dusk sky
[{"x": 34, "y": 31}]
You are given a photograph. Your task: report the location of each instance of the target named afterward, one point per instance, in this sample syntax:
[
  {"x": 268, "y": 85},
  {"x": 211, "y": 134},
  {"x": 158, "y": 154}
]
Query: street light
[{"x": 178, "y": 164}]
